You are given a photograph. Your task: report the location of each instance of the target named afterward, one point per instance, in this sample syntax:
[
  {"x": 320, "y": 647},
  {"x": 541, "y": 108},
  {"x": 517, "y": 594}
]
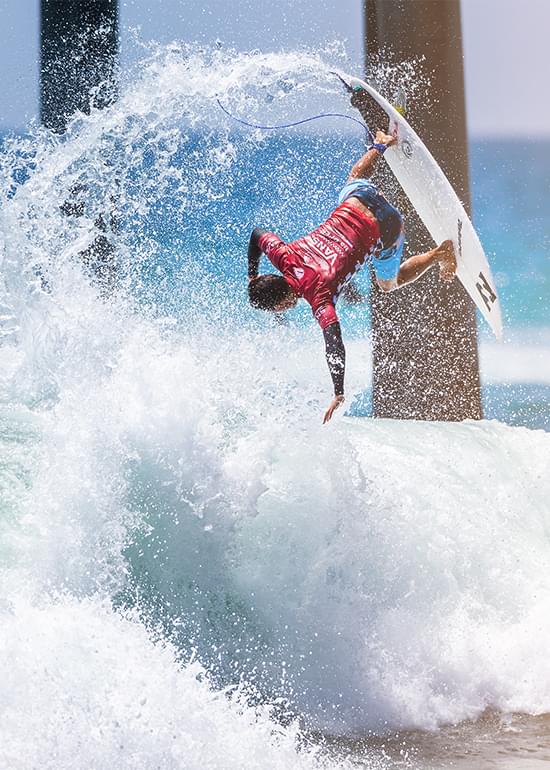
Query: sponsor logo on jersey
[{"x": 324, "y": 248}]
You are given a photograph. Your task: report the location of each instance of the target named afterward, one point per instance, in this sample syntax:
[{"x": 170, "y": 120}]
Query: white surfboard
[{"x": 439, "y": 207}]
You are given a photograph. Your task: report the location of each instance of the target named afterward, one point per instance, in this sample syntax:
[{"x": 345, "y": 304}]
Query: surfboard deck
[{"x": 438, "y": 206}]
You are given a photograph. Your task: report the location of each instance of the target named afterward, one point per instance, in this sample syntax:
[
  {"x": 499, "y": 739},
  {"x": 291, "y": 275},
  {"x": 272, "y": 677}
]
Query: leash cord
[{"x": 296, "y": 122}]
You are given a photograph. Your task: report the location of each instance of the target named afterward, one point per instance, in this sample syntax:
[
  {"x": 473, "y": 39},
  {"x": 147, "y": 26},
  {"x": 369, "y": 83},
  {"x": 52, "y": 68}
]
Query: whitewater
[{"x": 194, "y": 571}]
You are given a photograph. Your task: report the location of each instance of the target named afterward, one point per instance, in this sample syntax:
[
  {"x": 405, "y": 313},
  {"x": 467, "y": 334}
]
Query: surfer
[{"x": 318, "y": 265}]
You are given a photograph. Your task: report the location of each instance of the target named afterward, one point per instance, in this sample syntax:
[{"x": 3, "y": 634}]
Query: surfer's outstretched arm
[
  {"x": 336, "y": 360},
  {"x": 364, "y": 168},
  {"x": 254, "y": 252}
]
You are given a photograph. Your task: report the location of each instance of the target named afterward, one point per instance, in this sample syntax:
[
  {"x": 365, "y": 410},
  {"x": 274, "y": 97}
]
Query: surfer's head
[{"x": 271, "y": 292}]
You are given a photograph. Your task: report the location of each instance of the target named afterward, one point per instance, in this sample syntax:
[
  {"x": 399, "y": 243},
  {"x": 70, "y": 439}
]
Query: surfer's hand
[
  {"x": 387, "y": 139},
  {"x": 333, "y": 406}
]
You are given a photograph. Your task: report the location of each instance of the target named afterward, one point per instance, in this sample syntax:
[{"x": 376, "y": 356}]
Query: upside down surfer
[{"x": 318, "y": 265}]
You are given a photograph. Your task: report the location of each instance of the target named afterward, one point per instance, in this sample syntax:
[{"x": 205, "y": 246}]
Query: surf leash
[{"x": 298, "y": 122}]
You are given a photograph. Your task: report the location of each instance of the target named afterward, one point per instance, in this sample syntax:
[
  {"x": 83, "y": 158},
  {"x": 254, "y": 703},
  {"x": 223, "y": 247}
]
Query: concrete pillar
[
  {"x": 79, "y": 44},
  {"x": 425, "y": 356}
]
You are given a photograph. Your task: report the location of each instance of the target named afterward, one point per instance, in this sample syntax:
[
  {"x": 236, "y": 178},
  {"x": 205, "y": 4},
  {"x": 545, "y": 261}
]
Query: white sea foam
[
  {"x": 368, "y": 574},
  {"x": 373, "y": 573},
  {"x": 85, "y": 687}
]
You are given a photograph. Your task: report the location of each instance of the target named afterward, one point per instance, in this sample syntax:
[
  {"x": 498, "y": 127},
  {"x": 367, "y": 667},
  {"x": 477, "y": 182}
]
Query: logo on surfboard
[
  {"x": 407, "y": 149},
  {"x": 486, "y": 292}
]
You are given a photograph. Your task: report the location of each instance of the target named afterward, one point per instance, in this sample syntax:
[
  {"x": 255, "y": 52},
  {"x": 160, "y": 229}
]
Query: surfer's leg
[
  {"x": 390, "y": 274},
  {"x": 413, "y": 267}
]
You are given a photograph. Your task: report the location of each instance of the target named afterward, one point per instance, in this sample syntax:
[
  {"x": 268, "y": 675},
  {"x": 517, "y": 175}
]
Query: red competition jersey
[{"x": 318, "y": 265}]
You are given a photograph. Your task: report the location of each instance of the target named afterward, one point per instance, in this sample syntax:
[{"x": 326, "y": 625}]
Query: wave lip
[
  {"x": 375, "y": 574},
  {"x": 409, "y": 564}
]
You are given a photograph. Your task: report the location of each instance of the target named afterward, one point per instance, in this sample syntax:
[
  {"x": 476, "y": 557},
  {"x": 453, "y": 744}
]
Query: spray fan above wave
[{"x": 353, "y": 573}]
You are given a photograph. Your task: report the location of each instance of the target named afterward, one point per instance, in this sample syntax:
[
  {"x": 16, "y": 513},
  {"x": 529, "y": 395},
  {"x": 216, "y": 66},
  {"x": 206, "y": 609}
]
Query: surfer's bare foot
[{"x": 447, "y": 260}]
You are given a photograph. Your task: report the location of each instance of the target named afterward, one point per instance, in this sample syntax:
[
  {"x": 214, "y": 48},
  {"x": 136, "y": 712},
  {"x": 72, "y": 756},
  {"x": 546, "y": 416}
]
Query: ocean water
[{"x": 194, "y": 571}]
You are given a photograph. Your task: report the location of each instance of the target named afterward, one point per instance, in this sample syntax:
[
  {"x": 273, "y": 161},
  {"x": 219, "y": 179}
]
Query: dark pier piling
[{"x": 425, "y": 355}]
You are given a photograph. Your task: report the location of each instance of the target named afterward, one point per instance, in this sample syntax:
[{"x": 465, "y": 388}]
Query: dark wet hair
[{"x": 267, "y": 291}]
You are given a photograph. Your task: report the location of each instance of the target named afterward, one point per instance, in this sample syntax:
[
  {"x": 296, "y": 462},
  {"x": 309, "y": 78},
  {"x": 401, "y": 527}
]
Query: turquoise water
[
  {"x": 511, "y": 190},
  {"x": 194, "y": 571}
]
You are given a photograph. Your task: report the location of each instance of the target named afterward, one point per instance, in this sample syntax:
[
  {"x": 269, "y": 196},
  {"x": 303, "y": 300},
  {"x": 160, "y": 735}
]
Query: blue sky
[{"x": 505, "y": 44}]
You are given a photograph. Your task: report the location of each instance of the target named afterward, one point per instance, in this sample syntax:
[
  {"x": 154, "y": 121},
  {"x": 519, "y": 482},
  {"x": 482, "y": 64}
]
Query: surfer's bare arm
[
  {"x": 254, "y": 252},
  {"x": 336, "y": 360},
  {"x": 364, "y": 168},
  {"x": 413, "y": 267}
]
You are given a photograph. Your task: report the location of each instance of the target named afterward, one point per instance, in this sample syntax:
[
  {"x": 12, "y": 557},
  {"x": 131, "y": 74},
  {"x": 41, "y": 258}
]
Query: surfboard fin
[
  {"x": 346, "y": 85},
  {"x": 399, "y": 101}
]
